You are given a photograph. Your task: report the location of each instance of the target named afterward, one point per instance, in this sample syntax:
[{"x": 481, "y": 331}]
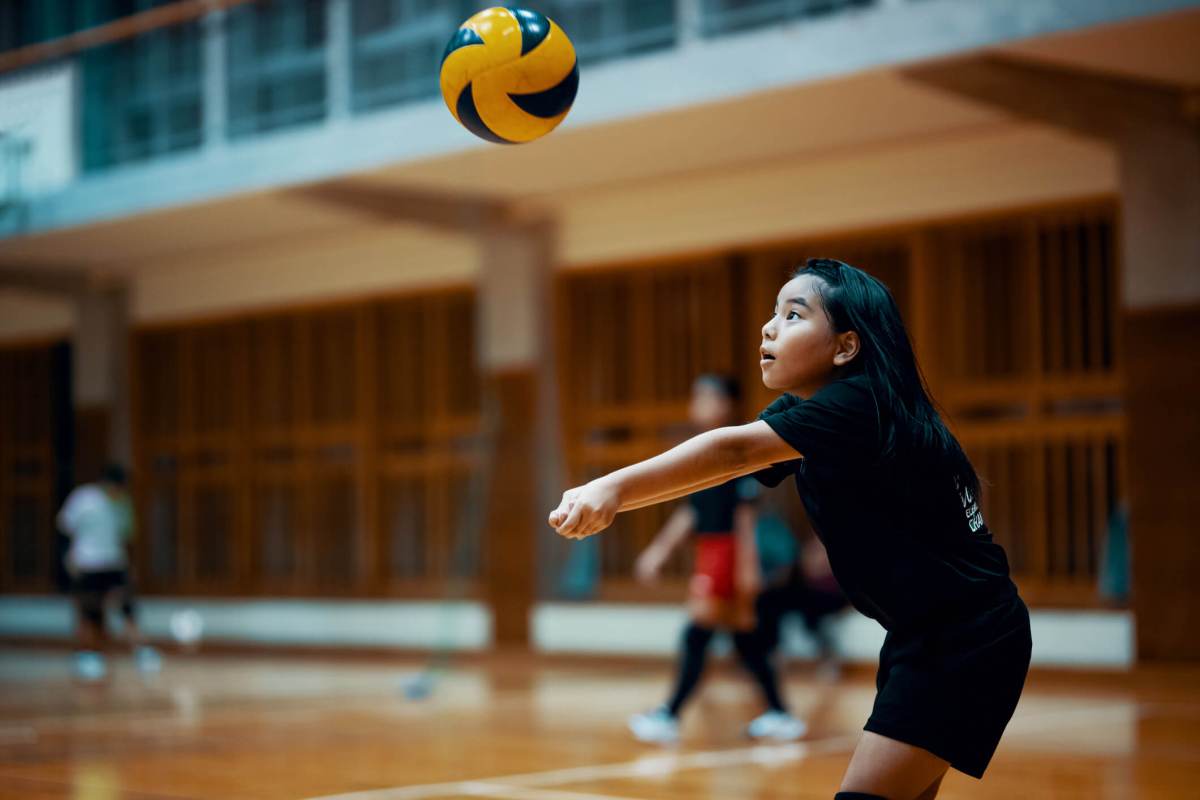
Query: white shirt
[{"x": 99, "y": 526}]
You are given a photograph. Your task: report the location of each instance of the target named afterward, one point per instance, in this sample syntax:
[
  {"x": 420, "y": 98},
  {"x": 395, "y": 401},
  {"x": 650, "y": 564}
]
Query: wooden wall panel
[
  {"x": 274, "y": 449},
  {"x": 1013, "y": 316},
  {"x": 336, "y": 450},
  {"x": 28, "y": 468}
]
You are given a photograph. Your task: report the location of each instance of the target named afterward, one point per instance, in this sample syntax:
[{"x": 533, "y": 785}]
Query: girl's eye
[{"x": 793, "y": 315}]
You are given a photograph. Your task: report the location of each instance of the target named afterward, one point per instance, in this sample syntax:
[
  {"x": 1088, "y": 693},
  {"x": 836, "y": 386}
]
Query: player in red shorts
[{"x": 723, "y": 588}]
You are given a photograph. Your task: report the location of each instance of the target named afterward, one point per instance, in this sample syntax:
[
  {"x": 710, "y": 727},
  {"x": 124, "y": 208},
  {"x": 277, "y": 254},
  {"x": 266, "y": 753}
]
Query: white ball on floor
[{"x": 187, "y": 627}]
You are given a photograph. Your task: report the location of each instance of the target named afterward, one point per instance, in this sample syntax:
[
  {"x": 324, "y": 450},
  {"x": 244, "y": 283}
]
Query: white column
[
  {"x": 216, "y": 93},
  {"x": 689, "y": 22},
  {"x": 100, "y": 368},
  {"x": 338, "y": 68}
]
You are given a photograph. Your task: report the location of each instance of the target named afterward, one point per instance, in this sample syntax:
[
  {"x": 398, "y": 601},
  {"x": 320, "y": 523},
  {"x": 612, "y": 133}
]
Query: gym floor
[{"x": 225, "y": 726}]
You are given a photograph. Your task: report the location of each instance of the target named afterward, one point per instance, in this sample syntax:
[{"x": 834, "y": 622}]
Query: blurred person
[
  {"x": 894, "y": 499},
  {"x": 804, "y": 587},
  {"x": 98, "y": 518},
  {"x": 720, "y": 521}
]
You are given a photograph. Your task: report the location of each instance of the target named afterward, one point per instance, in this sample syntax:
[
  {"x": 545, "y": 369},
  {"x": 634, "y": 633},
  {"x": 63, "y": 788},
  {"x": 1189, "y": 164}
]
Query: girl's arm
[
  {"x": 674, "y": 532},
  {"x": 705, "y": 460}
]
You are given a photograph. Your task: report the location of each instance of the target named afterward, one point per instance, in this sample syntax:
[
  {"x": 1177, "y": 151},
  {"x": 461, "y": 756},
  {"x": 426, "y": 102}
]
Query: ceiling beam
[
  {"x": 455, "y": 212},
  {"x": 1088, "y": 103},
  {"x": 52, "y": 280}
]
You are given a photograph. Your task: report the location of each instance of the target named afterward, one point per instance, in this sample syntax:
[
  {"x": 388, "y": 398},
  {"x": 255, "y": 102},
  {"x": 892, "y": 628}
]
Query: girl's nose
[{"x": 768, "y": 330}]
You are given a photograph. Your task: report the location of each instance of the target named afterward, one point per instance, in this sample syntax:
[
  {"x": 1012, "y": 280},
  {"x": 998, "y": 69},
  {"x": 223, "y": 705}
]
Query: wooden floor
[{"x": 292, "y": 727}]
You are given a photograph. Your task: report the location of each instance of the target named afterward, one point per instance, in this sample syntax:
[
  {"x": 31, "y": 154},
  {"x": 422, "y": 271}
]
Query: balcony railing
[
  {"x": 726, "y": 16},
  {"x": 14, "y": 153},
  {"x": 278, "y": 64}
]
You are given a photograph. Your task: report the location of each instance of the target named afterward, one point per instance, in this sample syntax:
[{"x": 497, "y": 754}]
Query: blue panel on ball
[
  {"x": 468, "y": 115},
  {"x": 462, "y": 38},
  {"x": 534, "y": 27},
  {"x": 554, "y": 100}
]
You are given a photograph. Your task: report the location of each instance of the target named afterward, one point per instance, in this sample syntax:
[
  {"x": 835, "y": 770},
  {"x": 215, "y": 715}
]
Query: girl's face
[
  {"x": 800, "y": 349},
  {"x": 710, "y": 406}
]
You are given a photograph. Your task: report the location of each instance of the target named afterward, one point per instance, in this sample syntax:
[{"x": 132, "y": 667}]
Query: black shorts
[
  {"x": 953, "y": 690},
  {"x": 101, "y": 582},
  {"x": 92, "y": 588}
]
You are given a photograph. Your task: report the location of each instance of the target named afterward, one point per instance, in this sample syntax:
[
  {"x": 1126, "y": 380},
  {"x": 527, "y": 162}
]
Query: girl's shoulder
[
  {"x": 780, "y": 404},
  {"x": 851, "y": 395},
  {"x": 847, "y": 396}
]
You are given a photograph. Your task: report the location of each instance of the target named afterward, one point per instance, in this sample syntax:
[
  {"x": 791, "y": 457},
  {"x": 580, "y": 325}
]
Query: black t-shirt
[
  {"x": 715, "y": 505},
  {"x": 907, "y": 545}
]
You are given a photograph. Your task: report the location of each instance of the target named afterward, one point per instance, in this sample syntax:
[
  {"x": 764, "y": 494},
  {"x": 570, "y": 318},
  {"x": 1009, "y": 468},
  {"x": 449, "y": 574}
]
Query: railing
[
  {"x": 14, "y": 154},
  {"x": 727, "y": 16},
  {"x": 142, "y": 98},
  {"x": 396, "y": 46},
  {"x": 276, "y": 64}
]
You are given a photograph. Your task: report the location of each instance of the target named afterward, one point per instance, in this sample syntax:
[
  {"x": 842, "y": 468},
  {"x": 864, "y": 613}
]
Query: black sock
[
  {"x": 691, "y": 664},
  {"x": 857, "y": 796},
  {"x": 754, "y": 658}
]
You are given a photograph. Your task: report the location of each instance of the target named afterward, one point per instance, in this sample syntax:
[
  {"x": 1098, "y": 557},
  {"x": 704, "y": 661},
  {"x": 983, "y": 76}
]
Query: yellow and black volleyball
[{"x": 509, "y": 75}]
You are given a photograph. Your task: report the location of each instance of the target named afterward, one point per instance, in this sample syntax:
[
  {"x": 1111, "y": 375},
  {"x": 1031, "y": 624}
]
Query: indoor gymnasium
[{"x": 599, "y": 399}]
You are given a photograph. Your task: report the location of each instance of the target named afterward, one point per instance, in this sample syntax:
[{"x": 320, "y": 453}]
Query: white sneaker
[
  {"x": 655, "y": 726},
  {"x": 778, "y": 725},
  {"x": 148, "y": 659},
  {"x": 90, "y": 666}
]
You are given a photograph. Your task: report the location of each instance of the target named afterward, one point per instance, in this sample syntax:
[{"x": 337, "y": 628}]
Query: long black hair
[{"x": 856, "y": 301}]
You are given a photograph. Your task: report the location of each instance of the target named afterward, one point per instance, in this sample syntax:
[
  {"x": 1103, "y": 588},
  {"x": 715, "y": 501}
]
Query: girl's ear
[{"x": 848, "y": 346}]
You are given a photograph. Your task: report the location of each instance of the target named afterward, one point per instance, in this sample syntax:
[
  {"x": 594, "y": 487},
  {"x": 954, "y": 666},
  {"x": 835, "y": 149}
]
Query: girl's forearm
[
  {"x": 702, "y": 461},
  {"x": 681, "y": 492}
]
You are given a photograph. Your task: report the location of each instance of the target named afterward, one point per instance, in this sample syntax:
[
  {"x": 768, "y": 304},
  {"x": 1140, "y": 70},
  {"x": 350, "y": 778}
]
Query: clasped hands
[{"x": 586, "y": 510}]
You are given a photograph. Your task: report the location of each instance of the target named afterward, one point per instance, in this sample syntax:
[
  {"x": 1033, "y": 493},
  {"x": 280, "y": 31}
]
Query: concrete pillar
[
  {"x": 515, "y": 346},
  {"x": 1160, "y": 335},
  {"x": 520, "y": 412},
  {"x": 100, "y": 378},
  {"x": 1160, "y": 209}
]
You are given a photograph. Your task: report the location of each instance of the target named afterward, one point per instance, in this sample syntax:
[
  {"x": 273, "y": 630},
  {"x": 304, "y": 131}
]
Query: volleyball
[{"x": 509, "y": 75}]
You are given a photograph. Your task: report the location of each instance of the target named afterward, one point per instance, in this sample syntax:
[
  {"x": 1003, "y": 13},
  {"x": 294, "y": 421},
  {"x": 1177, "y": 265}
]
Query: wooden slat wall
[
  {"x": 335, "y": 450},
  {"x": 27, "y": 469},
  {"x": 1013, "y": 317},
  {"x": 1035, "y": 390},
  {"x": 330, "y": 451}
]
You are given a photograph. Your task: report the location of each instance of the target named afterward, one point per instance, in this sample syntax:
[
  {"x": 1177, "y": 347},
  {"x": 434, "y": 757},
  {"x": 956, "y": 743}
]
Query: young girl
[
  {"x": 724, "y": 587},
  {"x": 893, "y": 498}
]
